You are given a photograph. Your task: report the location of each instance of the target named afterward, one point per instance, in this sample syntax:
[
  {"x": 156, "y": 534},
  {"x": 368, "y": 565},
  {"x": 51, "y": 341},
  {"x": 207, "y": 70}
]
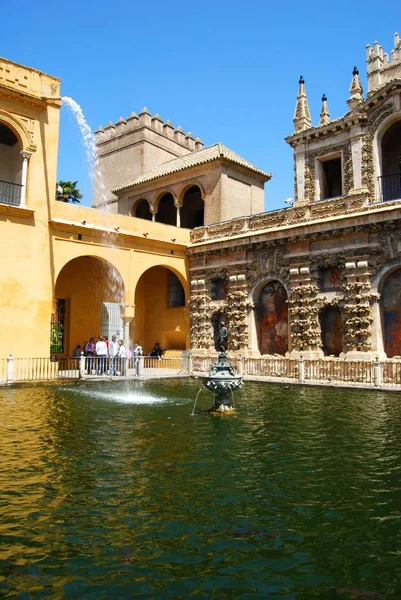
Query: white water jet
[
  {"x": 96, "y": 176},
  {"x": 89, "y": 143}
]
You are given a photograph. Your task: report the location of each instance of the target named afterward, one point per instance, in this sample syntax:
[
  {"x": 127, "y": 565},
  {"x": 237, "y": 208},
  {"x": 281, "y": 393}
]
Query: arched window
[
  {"x": 272, "y": 318},
  {"x": 391, "y": 163},
  {"x": 10, "y": 167},
  {"x": 192, "y": 209},
  {"x": 142, "y": 210},
  {"x": 175, "y": 291},
  {"x": 331, "y": 325},
  {"x": 391, "y": 313},
  {"x": 166, "y": 212}
]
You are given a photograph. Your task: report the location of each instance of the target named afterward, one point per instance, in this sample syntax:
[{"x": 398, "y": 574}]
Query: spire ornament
[
  {"x": 324, "y": 112},
  {"x": 356, "y": 90},
  {"x": 302, "y": 118}
]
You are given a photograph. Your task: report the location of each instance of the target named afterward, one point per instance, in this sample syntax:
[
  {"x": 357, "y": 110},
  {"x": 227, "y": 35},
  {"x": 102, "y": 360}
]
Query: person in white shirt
[
  {"x": 121, "y": 356},
  {"x": 137, "y": 352},
  {"x": 101, "y": 353},
  {"x": 113, "y": 351}
]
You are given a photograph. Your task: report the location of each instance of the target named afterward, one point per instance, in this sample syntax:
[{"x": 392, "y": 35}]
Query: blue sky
[{"x": 225, "y": 70}]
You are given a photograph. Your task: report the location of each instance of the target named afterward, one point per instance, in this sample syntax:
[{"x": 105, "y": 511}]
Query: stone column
[
  {"x": 300, "y": 173},
  {"x": 25, "y": 158},
  {"x": 127, "y": 312},
  {"x": 178, "y": 218}
]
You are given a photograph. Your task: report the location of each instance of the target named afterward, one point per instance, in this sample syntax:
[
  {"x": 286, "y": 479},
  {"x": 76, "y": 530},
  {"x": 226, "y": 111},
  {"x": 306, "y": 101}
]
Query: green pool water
[{"x": 116, "y": 491}]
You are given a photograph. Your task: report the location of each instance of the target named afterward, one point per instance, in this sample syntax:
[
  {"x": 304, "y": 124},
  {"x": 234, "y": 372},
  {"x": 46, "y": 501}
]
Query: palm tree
[{"x": 67, "y": 191}]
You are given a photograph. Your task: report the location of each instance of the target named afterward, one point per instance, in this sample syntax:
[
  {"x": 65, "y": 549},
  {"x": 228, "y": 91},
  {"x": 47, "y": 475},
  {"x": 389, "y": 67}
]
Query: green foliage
[
  {"x": 56, "y": 338},
  {"x": 70, "y": 192}
]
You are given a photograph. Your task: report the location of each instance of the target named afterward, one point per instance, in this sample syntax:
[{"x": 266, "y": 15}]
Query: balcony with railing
[
  {"x": 390, "y": 186},
  {"x": 10, "y": 193}
]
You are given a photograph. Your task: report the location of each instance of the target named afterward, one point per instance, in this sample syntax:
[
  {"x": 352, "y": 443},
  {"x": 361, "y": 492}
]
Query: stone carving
[
  {"x": 357, "y": 317},
  {"x": 237, "y": 315},
  {"x": 201, "y": 330},
  {"x": 310, "y": 173},
  {"x": 305, "y": 304},
  {"x": 368, "y": 171}
]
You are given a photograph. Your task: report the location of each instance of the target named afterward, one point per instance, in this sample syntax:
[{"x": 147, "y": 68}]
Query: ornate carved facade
[{"x": 334, "y": 249}]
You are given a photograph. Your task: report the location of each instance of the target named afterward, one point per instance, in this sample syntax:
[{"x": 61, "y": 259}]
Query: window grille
[{"x": 112, "y": 323}]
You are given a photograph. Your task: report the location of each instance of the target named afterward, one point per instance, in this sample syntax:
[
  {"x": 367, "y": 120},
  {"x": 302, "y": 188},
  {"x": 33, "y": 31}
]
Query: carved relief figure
[
  {"x": 273, "y": 319},
  {"x": 392, "y": 314}
]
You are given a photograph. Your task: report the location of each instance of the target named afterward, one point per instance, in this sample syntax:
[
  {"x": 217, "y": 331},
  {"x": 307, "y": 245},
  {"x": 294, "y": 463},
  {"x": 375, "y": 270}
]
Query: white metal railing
[
  {"x": 327, "y": 371},
  {"x": 48, "y": 369}
]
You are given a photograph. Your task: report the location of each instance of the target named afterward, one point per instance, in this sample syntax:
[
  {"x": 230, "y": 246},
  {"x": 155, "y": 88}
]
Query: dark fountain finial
[
  {"x": 222, "y": 378},
  {"x": 223, "y": 337}
]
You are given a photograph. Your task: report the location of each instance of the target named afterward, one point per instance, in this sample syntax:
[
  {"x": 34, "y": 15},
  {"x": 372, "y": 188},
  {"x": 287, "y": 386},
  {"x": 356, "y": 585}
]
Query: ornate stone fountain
[{"x": 222, "y": 379}]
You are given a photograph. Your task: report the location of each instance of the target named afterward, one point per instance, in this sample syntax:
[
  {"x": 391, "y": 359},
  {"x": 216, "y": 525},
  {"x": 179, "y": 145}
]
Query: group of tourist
[{"x": 104, "y": 356}]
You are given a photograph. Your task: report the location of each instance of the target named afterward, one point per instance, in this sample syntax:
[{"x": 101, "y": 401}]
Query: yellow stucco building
[{"x": 98, "y": 269}]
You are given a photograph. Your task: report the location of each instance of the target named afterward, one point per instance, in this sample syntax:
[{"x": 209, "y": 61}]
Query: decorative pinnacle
[
  {"x": 302, "y": 118},
  {"x": 355, "y": 90},
  {"x": 324, "y": 112}
]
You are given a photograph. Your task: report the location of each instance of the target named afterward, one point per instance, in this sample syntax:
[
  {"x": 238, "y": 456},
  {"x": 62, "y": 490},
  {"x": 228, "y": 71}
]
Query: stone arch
[
  {"x": 165, "y": 208},
  {"x": 390, "y": 303},
  {"x": 142, "y": 209},
  {"x": 19, "y": 129},
  {"x": 271, "y": 317},
  {"x": 382, "y": 190},
  {"x": 331, "y": 326},
  {"x": 261, "y": 281},
  {"x": 157, "y": 317},
  {"x": 90, "y": 287},
  {"x": 192, "y": 209}
]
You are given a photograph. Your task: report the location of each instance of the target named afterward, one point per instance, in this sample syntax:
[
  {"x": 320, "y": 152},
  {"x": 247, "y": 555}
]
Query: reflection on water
[{"x": 114, "y": 492}]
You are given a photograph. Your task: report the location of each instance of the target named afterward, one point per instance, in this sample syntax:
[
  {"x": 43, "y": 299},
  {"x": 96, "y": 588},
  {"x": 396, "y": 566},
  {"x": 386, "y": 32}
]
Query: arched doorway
[
  {"x": 192, "y": 209},
  {"x": 160, "y": 310},
  {"x": 331, "y": 326},
  {"x": 272, "y": 319},
  {"x": 141, "y": 210},
  {"x": 10, "y": 167},
  {"x": 391, "y": 163},
  {"x": 166, "y": 211},
  {"x": 391, "y": 314},
  {"x": 88, "y": 295}
]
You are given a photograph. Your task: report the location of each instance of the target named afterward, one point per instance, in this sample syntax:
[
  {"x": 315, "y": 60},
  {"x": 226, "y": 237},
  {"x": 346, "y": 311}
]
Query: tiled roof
[{"x": 192, "y": 159}]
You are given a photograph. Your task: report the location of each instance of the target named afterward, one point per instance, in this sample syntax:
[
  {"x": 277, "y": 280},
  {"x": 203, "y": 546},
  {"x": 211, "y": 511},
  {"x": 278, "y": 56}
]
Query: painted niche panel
[
  {"x": 331, "y": 324},
  {"x": 391, "y": 306},
  {"x": 272, "y": 316}
]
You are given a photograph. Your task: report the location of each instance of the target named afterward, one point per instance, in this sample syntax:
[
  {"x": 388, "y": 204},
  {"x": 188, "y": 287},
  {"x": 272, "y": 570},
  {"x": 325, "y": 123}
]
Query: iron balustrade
[
  {"x": 10, "y": 193},
  {"x": 390, "y": 186}
]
